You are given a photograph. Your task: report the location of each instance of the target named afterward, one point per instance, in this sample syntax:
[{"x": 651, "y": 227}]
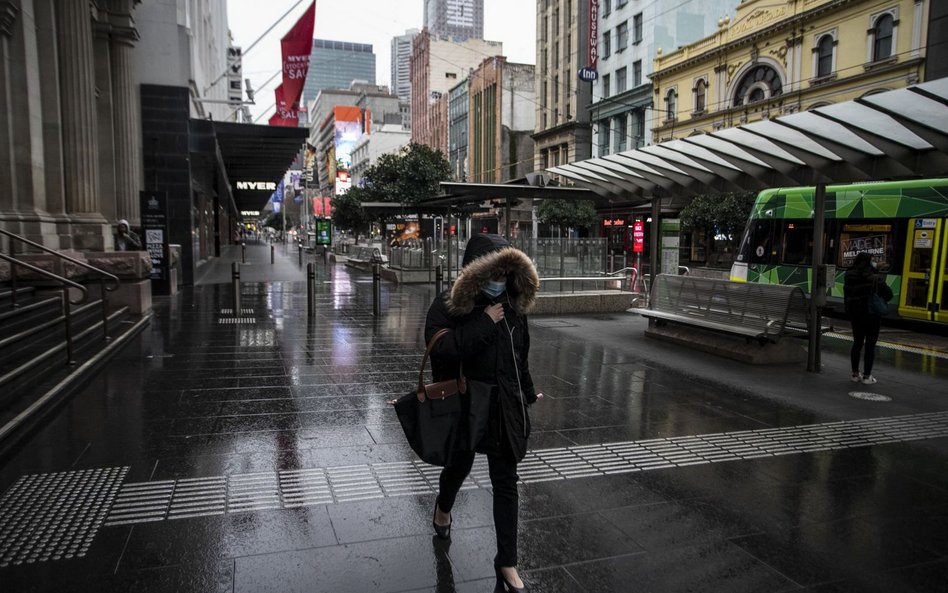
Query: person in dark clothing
[
  {"x": 125, "y": 239},
  {"x": 486, "y": 311},
  {"x": 861, "y": 282}
]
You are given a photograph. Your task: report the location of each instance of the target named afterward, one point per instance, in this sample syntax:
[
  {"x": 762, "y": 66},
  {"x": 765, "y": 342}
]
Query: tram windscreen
[{"x": 875, "y": 239}]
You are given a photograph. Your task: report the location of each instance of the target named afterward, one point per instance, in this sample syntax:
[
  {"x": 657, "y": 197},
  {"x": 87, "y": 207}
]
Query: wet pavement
[{"x": 259, "y": 454}]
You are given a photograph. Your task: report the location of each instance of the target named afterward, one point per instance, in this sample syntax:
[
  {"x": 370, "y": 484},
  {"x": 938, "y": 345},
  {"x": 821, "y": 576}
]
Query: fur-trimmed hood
[{"x": 522, "y": 280}]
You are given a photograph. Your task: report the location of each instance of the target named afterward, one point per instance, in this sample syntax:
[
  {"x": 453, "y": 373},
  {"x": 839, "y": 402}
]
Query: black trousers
[
  {"x": 865, "y": 331},
  {"x": 503, "y": 480}
]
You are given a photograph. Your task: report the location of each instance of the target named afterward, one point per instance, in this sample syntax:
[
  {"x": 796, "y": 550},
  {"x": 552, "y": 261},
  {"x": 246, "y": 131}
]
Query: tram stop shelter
[{"x": 888, "y": 135}]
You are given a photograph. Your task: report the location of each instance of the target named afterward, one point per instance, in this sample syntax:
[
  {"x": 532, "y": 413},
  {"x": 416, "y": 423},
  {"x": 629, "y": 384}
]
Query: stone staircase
[{"x": 39, "y": 367}]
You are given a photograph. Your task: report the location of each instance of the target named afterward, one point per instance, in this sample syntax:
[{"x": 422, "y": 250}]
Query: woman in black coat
[
  {"x": 861, "y": 282},
  {"x": 490, "y": 341}
]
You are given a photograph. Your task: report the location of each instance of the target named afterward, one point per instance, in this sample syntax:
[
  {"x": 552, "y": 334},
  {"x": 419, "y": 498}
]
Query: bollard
[
  {"x": 439, "y": 280},
  {"x": 243, "y": 253},
  {"x": 311, "y": 290},
  {"x": 326, "y": 256},
  {"x": 271, "y": 253},
  {"x": 235, "y": 280},
  {"x": 300, "y": 247},
  {"x": 376, "y": 288}
]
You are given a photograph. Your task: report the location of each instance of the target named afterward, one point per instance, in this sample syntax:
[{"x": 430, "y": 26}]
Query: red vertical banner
[
  {"x": 285, "y": 115},
  {"x": 593, "y": 58},
  {"x": 297, "y": 45}
]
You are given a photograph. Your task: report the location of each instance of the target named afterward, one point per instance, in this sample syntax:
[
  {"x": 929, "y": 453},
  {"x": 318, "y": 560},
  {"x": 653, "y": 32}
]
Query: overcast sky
[{"x": 512, "y": 22}]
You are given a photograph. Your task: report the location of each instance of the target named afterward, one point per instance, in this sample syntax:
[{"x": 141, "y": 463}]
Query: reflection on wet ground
[{"x": 240, "y": 429}]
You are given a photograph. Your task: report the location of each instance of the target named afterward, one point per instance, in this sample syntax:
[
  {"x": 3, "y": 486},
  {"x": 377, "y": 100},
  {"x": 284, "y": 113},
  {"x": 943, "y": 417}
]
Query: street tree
[
  {"x": 348, "y": 213},
  {"x": 717, "y": 215},
  {"x": 565, "y": 214}
]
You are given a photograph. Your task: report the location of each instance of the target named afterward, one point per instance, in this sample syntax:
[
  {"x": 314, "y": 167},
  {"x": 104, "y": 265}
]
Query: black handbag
[{"x": 433, "y": 416}]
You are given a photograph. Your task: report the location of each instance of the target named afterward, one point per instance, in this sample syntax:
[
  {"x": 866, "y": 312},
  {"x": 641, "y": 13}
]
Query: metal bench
[{"x": 762, "y": 312}]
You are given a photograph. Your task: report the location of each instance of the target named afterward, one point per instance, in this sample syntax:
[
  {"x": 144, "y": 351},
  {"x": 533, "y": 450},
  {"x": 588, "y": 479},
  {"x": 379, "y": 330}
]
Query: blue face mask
[{"x": 494, "y": 289}]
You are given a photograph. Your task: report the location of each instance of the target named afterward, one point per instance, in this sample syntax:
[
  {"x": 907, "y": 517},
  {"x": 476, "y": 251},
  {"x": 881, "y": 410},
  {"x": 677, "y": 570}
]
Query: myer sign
[{"x": 257, "y": 185}]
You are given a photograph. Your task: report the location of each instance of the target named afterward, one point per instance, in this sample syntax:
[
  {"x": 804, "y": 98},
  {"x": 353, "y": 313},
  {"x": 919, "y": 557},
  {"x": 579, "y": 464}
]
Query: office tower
[
  {"x": 335, "y": 64},
  {"x": 459, "y": 19},
  {"x": 401, "y": 64}
]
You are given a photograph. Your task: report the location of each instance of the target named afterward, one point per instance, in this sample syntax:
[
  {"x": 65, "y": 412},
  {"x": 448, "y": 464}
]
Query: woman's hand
[{"x": 495, "y": 312}]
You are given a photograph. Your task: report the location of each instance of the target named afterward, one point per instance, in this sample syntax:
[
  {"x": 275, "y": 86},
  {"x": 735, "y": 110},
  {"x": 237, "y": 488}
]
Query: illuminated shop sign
[{"x": 257, "y": 185}]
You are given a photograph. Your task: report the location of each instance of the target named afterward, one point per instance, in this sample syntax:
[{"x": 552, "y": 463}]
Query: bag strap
[{"x": 424, "y": 361}]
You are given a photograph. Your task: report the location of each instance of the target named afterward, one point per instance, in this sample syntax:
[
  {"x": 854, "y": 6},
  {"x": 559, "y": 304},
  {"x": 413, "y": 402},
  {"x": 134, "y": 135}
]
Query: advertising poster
[
  {"x": 351, "y": 124},
  {"x": 670, "y": 243},
  {"x": 324, "y": 232},
  {"x": 154, "y": 214}
]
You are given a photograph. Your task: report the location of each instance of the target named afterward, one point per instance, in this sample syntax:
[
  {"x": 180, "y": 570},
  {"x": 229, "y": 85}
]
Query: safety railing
[
  {"x": 103, "y": 276},
  {"x": 67, "y": 303}
]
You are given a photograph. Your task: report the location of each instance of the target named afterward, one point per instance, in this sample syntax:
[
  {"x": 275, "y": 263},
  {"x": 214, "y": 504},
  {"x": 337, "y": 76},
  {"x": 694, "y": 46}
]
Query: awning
[
  {"x": 255, "y": 155},
  {"x": 894, "y": 134}
]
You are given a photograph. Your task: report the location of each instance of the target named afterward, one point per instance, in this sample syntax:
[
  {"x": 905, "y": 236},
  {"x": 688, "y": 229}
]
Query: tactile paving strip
[
  {"x": 893, "y": 346},
  {"x": 172, "y": 499},
  {"x": 242, "y": 311},
  {"x": 236, "y": 321},
  {"x": 55, "y": 516}
]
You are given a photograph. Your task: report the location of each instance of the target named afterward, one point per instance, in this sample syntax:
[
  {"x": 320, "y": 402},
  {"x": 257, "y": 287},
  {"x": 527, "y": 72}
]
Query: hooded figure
[
  {"x": 861, "y": 283},
  {"x": 483, "y": 345},
  {"x": 125, "y": 239},
  {"x": 486, "y": 313}
]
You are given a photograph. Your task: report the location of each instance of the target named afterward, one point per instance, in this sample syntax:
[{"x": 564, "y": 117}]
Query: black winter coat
[
  {"x": 493, "y": 354},
  {"x": 859, "y": 284}
]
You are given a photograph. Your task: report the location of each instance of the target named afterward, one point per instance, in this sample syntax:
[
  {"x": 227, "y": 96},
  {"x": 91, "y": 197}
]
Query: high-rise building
[
  {"x": 401, "y": 64},
  {"x": 563, "y": 132},
  {"x": 458, "y": 19},
  {"x": 335, "y": 64},
  {"x": 630, "y": 35},
  {"x": 437, "y": 65}
]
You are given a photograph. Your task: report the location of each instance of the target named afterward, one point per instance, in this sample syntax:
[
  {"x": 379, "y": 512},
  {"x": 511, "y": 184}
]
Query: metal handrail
[
  {"x": 73, "y": 260},
  {"x": 48, "y": 274},
  {"x": 66, "y": 301},
  {"x": 103, "y": 275}
]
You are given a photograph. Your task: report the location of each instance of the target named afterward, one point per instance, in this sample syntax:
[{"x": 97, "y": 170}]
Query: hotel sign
[{"x": 593, "y": 60}]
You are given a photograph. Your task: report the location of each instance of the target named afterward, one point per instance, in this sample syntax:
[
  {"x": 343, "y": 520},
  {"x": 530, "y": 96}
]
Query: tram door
[{"x": 924, "y": 293}]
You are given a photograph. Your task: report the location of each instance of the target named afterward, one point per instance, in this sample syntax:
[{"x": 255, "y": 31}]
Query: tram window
[
  {"x": 759, "y": 242},
  {"x": 876, "y": 239},
  {"x": 796, "y": 248}
]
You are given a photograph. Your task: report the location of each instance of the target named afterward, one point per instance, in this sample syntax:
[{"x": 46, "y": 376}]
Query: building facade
[
  {"x": 384, "y": 139},
  {"x": 437, "y": 65},
  {"x": 772, "y": 60},
  {"x": 630, "y": 34},
  {"x": 457, "y": 19},
  {"x": 458, "y": 110},
  {"x": 563, "y": 131},
  {"x": 502, "y": 116},
  {"x": 335, "y": 64},
  {"x": 401, "y": 64},
  {"x": 70, "y": 158}
]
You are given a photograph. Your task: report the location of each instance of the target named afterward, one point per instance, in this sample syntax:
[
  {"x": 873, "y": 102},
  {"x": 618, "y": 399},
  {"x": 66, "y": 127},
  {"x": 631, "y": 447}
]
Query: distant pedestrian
[
  {"x": 125, "y": 239},
  {"x": 485, "y": 310},
  {"x": 861, "y": 283}
]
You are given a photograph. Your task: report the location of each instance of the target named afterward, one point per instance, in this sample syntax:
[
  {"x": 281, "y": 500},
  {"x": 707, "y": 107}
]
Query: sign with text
[
  {"x": 593, "y": 57},
  {"x": 296, "y": 46},
  {"x": 638, "y": 237},
  {"x": 324, "y": 232},
  {"x": 154, "y": 213}
]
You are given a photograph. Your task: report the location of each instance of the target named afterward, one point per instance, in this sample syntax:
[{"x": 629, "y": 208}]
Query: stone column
[
  {"x": 8, "y": 18},
  {"x": 128, "y": 136},
  {"x": 80, "y": 146}
]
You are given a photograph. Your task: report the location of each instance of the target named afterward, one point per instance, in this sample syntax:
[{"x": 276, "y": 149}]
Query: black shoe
[
  {"x": 503, "y": 586},
  {"x": 443, "y": 531}
]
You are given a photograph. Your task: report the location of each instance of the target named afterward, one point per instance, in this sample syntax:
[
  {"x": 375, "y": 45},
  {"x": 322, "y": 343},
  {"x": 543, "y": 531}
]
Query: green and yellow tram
[{"x": 903, "y": 224}]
